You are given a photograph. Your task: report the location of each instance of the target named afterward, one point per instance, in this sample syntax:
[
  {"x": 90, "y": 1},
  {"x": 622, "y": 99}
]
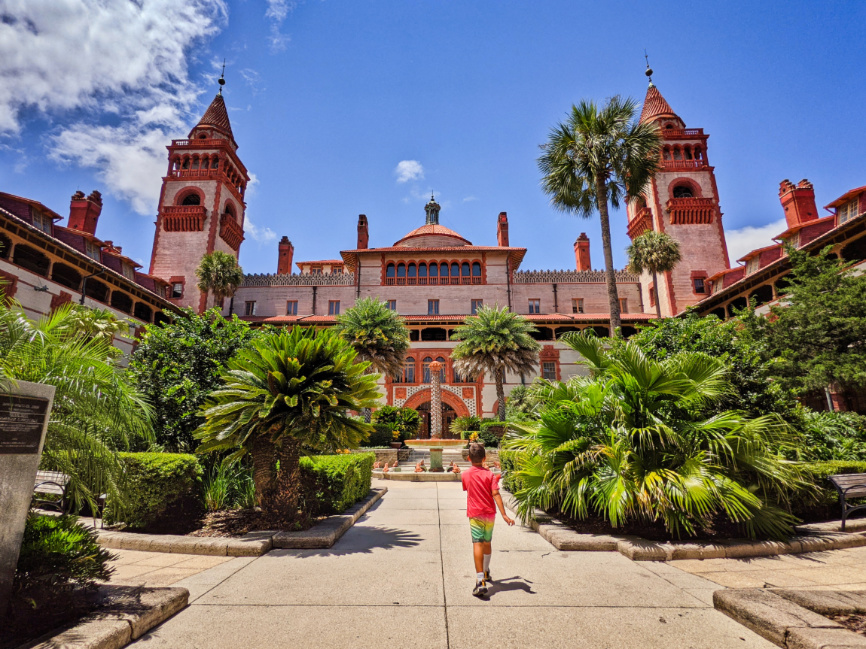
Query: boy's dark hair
[{"x": 476, "y": 452}]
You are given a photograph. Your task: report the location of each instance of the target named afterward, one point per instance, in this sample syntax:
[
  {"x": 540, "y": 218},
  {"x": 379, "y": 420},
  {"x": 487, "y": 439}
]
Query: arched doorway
[{"x": 448, "y": 415}]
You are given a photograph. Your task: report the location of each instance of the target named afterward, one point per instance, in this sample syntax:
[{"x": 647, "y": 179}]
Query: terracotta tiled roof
[
  {"x": 217, "y": 115},
  {"x": 430, "y": 230},
  {"x": 844, "y": 198},
  {"x": 655, "y": 106},
  {"x": 758, "y": 251}
]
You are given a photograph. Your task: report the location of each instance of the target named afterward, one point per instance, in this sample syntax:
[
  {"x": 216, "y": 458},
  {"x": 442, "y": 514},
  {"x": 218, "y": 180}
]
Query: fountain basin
[{"x": 435, "y": 443}]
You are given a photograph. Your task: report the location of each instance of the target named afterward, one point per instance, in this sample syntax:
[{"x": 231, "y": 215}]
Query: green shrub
[
  {"x": 333, "y": 483},
  {"x": 382, "y": 435},
  {"x": 58, "y": 555},
  {"x": 462, "y": 425},
  {"x": 406, "y": 420},
  {"x": 824, "y": 503},
  {"x": 508, "y": 462},
  {"x": 157, "y": 484},
  {"x": 491, "y": 432},
  {"x": 830, "y": 436},
  {"x": 228, "y": 486}
]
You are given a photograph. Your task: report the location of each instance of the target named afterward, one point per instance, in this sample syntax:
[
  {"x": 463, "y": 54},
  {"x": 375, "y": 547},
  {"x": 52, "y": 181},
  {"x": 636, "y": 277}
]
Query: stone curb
[
  {"x": 813, "y": 538},
  {"x": 252, "y": 544},
  {"x": 136, "y": 611},
  {"x": 328, "y": 532},
  {"x": 778, "y": 616}
]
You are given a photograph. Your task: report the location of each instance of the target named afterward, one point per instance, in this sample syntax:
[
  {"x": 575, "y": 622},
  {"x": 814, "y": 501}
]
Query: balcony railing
[
  {"x": 642, "y": 222},
  {"x": 690, "y": 211},
  {"x": 230, "y": 231},
  {"x": 183, "y": 218},
  {"x": 432, "y": 281},
  {"x": 683, "y": 165},
  {"x": 681, "y": 132},
  {"x": 199, "y": 143}
]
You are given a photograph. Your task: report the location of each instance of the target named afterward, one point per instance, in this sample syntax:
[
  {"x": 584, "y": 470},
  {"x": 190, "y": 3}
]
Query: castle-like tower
[
  {"x": 201, "y": 205},
  {"x": 682, "y": 201}
]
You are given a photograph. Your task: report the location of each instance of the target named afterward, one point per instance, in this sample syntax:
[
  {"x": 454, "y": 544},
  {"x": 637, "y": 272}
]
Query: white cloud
[
  {"x": 751, "y": 237},
  {"x": 262, "y": 235},
  {"x": 277, "y": 12},
  {"x": 89, "y": 62},
  {"x": 469, "y": 199},
  {"x": 407, "y": 170}
]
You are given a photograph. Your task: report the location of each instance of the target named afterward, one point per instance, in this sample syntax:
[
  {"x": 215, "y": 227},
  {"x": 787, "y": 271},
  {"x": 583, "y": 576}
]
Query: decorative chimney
[
  {"x": 502, "y": 230},
  {"x": 581, "y": 252},
  {"x": 363, "y": 232},
  {"x": 287, "y": 251},
  {"x": 798, "y": 202},
  {"x": 84, "y": 212}
]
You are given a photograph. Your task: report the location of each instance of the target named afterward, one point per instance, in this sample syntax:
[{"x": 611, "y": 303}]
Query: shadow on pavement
[
  {"x": 362, "y": 540},
  {"x": 514, "y": 583}
]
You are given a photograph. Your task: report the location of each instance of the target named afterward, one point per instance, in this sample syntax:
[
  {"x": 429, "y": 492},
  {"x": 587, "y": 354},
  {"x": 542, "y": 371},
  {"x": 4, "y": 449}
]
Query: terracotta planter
[{"x": 396, "y": 444}]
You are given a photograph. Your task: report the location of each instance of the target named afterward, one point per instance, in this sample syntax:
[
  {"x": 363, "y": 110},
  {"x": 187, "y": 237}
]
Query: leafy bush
[
  {"x": 381, "y": 436},
  {"x": 405, "y": 420},
  {"x": 228, "y": 485},
  {"x": 177, "y": 365},
  {"x": 157, "y": 484},
  {"x": 830, "y": 436},
  {"x": 825, "y": 502},
  {"x": 491, "y": 432},
  {"x": 510, "y": 479},
  {"x": 636, "y": 443},
  {"x": 58, "y": 555},
  {"x": 333, "y": 483},
  {"x": 461, "y": 425}
]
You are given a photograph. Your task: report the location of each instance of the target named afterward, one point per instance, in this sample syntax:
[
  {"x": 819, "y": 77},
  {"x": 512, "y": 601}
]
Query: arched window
[
  {"x": 443, "y": 270},
  {"x": 66, "y": 276},
  {"x": 464, "y": 269},
  {"x": 31, "y": 259},
  {"x": 698, "y": 153},
  {"x": 186, "y": 163},
  {"x": 389, "y": 270},
  {"x": 195, "y": 162},
  {"x": 408, "y": 370},
  {"x": 191, "y": 199},
  {"x": 667, "y": 153},
  {"x": 688, "y": 151},
  {"x": 5, "y": 246},
  {"x": 142, "y": 312},
  {"x": 202, "y": 136},
  {"x": 413, "y": 270},
  {"x": 401, "y": 270},
  {"x": 677, "y": 154},
  {"x": 205, "y": 163},
  {"x": 422, "y": 269},
  {"x": 442, "y": 371},
  {"x": 426, "y": 368},
  {"x": 683, "y": 191},
  {"x": 458, "y": 377},
  {"x": 121, "y": 301},
  {"x": 434, "y": 270},
  {"x": 476, "y": 269},
  {"x": 455, "y": 269},
  {"x": 230, "y": 210},
  {"x": 216, "y": 163}
]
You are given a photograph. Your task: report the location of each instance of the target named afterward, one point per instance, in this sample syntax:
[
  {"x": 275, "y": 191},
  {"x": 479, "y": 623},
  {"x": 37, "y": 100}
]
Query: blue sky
[{"x": 327, "y": 98}]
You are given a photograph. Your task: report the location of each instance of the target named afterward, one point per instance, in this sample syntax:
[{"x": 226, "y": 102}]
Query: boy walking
[{"x": 482, "y": 499}]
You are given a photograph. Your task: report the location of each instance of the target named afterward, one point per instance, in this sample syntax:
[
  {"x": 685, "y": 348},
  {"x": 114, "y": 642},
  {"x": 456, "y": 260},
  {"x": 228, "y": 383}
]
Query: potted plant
[{"x": 397, "y": 438}]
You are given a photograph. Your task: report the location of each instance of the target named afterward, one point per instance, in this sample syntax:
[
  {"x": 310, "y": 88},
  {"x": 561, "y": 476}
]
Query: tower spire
[
  {"x": 649, "y": 70},
  {"x": 222, "y": 79},
  {"x": 432, "y": 210}
]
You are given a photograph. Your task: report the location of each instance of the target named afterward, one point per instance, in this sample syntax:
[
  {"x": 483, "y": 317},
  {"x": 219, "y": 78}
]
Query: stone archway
[{"x": 452, "y": 406}]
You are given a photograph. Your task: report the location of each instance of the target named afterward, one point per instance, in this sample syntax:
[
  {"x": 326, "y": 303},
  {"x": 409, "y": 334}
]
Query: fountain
[{"x": 435, "y": 444}]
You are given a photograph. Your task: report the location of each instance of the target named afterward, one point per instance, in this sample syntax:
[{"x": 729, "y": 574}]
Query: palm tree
[
  {"x": 633, "y": 443},
  {"x": 219, "y": 273},
  {"x": 655, "y": 252},
  {"x": 495, "y": 340},
  {"x": 290, "y": 391},
  {"x": 600, "y": 156},
  {"x": 377, "y": 334},
  {"x": 96, "y": 323},
  {"x": 96, "y": 409}
]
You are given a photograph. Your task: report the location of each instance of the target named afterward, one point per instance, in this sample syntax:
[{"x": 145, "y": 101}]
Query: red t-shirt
[{"x": 479, "y": 484}]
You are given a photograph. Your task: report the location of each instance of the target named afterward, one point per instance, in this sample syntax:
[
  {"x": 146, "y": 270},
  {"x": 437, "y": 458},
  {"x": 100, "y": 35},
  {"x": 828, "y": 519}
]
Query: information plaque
[{"x": 21, "y": 423}]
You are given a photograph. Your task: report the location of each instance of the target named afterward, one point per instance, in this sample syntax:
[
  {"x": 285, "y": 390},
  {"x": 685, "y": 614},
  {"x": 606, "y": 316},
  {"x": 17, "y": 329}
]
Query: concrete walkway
[{"x": 403, "y": 577}]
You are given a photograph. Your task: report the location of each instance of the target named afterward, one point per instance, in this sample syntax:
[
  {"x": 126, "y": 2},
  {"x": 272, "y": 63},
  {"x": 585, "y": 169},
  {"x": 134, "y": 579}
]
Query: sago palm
[
  {"x": 654, "y": 252},
  {"x": 96, "y": 410},
  {"x": 291, "y": 391},
  {"x": 495, "y": 341},
  {"x": 600, "y": 156},
  {"x": 632, "y": 445},
  {"x": 377, "y": 334},
  {"x": 219, "y": 273}
]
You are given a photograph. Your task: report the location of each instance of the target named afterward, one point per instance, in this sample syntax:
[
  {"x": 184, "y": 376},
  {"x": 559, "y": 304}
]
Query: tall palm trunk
[
  {"x": 288, "y": 492},
  {"x": 656, "y": 290},
  {"x": 264, "y": 469},
  {"x": 610, "y": 276},
  {"x": 499, "y": 376}
]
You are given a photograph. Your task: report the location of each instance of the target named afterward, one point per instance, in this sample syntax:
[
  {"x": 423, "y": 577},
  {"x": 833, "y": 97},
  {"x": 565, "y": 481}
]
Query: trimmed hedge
[
  {"x": 157, "y": 484},
  {"x": 382, "y": 436},
  {"x": 333, "y": 483},
  {"x": 508, "y": 462}
]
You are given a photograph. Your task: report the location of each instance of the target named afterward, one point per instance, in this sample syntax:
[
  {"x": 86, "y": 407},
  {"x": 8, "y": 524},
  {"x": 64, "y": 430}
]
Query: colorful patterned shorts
[{"x": 482, "y": 529}]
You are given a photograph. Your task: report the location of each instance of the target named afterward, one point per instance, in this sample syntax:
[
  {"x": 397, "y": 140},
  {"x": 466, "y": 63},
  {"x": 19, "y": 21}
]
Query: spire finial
[
  {"x": 222, "y": 79},
  {"x": 432, "y": 211},
  {"x": 649, "y": 70}
]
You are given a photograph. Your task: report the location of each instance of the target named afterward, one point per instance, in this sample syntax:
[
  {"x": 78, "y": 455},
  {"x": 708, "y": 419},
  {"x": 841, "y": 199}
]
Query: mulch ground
[
  {"x": 29, "y": 619},
  {"x": 229, "y": 523},
  {"x": 855, "y": 622}
]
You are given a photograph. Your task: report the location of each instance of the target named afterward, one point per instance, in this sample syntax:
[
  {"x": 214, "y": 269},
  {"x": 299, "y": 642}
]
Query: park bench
[
  {"x": 52, "y": 483},
  {"x": 849, "y": 485}
]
